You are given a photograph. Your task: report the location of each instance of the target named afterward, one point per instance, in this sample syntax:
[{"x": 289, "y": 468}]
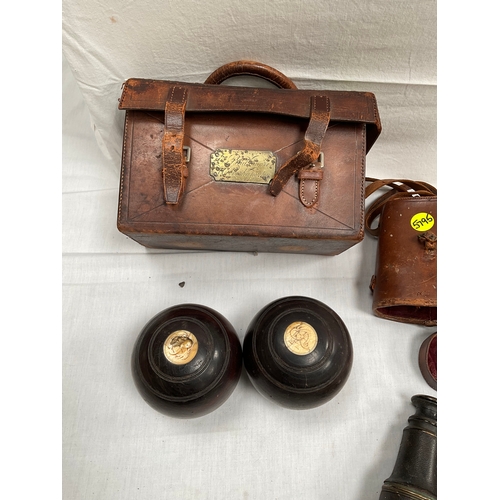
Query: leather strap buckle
[
  {"x": 315, "y": 132},
  {"x": 174, "y": 156},
  {"x": 321, "y": 160}
]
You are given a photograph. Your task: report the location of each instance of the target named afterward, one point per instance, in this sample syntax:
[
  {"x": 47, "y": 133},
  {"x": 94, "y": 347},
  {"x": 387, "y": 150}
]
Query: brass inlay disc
[
  {"x": 180, "y": 347},
  {"x": 301, "y": 338}
]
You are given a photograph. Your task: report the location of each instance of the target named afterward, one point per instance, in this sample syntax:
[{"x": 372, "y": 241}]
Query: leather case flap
[{"x": 346, "y": 106}]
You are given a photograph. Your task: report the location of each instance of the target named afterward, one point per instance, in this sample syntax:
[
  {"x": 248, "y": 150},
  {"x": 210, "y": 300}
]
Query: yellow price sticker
[{"x": 422, "y": 221}]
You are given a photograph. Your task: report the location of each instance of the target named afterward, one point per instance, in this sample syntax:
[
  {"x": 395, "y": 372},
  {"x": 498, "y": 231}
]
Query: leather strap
[
  {"x": 174, "y": 163},
  {"x": 316, "y": 130},
  {"x": 350, "y": 107},
  {"x": 400, "y": 188},
  {"x": 309, "y": 182}
]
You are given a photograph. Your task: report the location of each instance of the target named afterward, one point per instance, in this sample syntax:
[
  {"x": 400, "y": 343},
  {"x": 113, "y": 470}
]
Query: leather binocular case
[
  {"x": 404, "y": 285},
  {"x": 414, "y": 476}
]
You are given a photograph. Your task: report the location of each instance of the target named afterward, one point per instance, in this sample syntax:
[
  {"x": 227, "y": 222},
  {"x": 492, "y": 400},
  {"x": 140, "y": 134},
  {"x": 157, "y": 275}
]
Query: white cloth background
[{"x": 114, "y": 445}]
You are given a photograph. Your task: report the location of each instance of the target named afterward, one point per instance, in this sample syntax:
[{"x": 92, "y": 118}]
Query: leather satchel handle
[{"x": 252, "y": 68}]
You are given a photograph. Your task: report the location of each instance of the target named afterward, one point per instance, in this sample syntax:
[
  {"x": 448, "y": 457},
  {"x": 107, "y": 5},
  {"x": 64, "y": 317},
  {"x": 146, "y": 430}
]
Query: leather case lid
[{"x": 151, "y": 95}]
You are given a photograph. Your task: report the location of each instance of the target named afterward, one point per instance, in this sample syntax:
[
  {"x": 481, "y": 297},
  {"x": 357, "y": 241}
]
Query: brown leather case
[
  {"x": 405, "y": 281},
  {"x": 192, "y": 155}
]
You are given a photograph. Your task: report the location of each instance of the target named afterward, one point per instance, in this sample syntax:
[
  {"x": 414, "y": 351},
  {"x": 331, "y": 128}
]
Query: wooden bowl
[
  {"x": 187, "y": 361},
  {"x": 298, "y": 352}
]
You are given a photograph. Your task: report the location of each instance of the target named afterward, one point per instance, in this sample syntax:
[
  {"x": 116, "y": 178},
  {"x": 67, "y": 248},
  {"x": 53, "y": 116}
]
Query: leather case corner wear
[{"x": 219, "y": 167}]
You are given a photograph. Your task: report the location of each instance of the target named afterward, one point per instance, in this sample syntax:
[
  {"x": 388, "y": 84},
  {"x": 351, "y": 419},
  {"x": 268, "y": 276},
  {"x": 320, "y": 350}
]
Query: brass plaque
[
  {"x": 242, "y": 165},
  {"x": 301, "y": 338},
  {"x": 180, "y": 347}
]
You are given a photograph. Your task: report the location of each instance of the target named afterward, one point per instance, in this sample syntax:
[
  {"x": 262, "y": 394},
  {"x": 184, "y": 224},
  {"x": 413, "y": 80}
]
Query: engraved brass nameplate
[
  {"x": 242, "y": 165},
  {"x": 301, "y": 338},
  {"x": 180, "y": 347}
]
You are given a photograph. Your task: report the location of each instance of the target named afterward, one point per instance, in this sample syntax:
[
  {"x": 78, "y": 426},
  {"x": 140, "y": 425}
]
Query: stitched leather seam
[
  {"x": 375, "y": 112},
  {"x": 363, "y": 173},
  {"x": 303, "y": 198},
  {"x": 123, "y": 166},
  {"x": 183, "y": 93},
  {"x": 176, "y": 107},
  {"x": 124, "y": 93}
]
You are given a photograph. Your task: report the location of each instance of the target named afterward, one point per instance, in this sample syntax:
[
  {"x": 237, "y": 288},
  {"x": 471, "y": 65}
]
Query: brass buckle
[{"x": 320, "y": 160}]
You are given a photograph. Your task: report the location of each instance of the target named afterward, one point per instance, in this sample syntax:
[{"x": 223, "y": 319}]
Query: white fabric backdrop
[
  {"x": 114, "y": 445},
  {"x": 384, "y": 46}
]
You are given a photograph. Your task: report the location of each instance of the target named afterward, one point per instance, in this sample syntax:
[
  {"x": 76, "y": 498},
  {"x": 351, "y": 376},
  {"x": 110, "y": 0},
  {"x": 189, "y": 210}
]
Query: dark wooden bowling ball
[
  {"x": 298, "y": 352},
  {"x": 187, "y": 361}
]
